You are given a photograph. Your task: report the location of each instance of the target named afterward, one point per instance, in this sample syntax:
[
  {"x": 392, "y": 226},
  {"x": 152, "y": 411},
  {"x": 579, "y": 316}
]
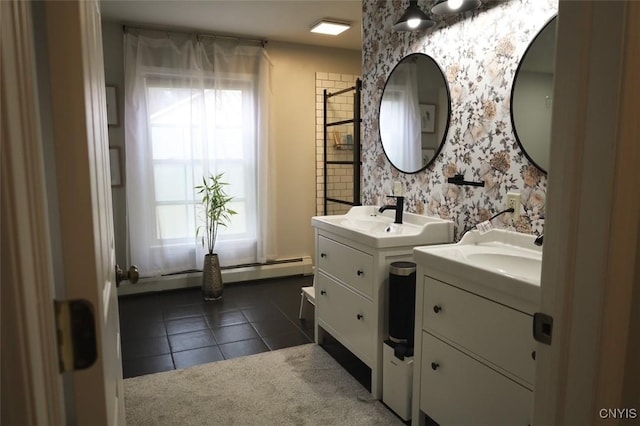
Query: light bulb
[
  {"x": 413, "y": 22},
  {"x": 454, "y": 4}
]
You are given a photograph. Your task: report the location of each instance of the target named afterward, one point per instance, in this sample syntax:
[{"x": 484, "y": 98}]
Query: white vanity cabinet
[
  {"x": 474, "y": 351},
  {"x": 351, "y": 288},
  {"x": 353, "y": 254}
]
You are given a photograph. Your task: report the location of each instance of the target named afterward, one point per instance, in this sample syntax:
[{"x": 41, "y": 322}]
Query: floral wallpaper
[{"x": 479, "y": 53}]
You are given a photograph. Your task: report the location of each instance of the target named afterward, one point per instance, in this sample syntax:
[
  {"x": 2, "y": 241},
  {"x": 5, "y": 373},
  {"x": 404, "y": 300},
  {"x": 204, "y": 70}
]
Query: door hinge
[
  {"x": 76, "y": 332},
  {"x": 542, "y": 327}
]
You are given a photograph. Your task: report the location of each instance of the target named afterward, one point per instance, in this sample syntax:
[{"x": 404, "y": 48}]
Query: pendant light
[
  {"x": 449, "y": 7},
  {"x": 413, "y": 19}
]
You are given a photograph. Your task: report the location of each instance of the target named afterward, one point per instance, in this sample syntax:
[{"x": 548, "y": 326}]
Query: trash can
[
  {"x": 402, "y": 302},
  {"x": 397, "y": 351}
]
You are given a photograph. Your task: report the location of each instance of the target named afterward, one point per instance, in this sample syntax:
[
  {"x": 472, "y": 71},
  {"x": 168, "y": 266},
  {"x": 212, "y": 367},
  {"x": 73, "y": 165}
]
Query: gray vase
[{"x": 211, "y": 278}]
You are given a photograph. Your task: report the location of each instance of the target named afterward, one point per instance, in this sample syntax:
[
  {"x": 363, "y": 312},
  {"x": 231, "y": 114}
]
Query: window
[
  {"x": 194, "y": 107},
  {"x": 195, "y": 134}
]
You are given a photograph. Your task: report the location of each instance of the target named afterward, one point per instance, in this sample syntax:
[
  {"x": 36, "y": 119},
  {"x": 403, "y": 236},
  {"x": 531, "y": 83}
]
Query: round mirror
[
  {"x": 531, "y": 97},
  {"x": 414, "y": 113}
]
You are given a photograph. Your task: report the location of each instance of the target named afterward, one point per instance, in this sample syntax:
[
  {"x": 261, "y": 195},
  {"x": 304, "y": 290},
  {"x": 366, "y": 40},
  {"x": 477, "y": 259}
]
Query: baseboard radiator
[{"x": 273, "y": 269}]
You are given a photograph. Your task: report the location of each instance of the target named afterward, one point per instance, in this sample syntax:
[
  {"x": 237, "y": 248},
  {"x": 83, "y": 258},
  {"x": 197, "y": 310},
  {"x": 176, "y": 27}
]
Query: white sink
[
  {"x": 514, "y": 265},
  {"x": 503, "y": 260},
  {"x": 365, "y": 225}
]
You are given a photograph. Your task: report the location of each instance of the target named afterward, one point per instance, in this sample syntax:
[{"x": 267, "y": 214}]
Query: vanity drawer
[
  {"x": 455, "y": 389},
  {"x": 350, "y": 317},
  {"x": 352, "y": 267},
  {"x": 496, "y": 333}
]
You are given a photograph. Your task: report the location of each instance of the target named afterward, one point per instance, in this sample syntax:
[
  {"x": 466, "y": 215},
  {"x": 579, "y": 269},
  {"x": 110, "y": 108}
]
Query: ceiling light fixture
[
  {"x": 448, "y": 7},
  {"x": 413, "y": 19},
  {"x": 331, "y": 27}
]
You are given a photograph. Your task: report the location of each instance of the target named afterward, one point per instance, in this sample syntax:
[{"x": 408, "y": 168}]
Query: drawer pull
[
  {"x": 322, "y": 292},
  {"x": 360, "y": 272},
  {"x": 323, "y": 254},
  {"x": 435, "y": 366},
  {"x": 360, "y": 316},
  {"x": 533, "y": 355},
  {"x": 437, "y": 308}
]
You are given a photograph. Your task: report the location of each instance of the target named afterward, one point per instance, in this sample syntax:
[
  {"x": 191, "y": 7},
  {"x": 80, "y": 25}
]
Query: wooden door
[{"x": 86, "y": 224}]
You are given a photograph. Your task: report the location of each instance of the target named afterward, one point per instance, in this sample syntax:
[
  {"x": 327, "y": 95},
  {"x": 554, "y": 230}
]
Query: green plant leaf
[{"x": 215, "y": 208}]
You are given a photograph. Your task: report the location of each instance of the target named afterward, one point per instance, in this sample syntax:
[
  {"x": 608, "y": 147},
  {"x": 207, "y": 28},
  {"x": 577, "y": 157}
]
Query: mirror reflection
[
  {"x": 414, "y": 113},
  {"x": 531, "y": 97}
]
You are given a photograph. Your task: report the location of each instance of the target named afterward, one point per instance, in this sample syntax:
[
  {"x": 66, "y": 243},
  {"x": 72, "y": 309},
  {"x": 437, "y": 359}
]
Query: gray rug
[{"x": 301, "y": 385}]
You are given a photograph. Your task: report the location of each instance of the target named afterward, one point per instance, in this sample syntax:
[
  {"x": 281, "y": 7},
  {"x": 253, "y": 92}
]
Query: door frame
[
  {"x": 591, "y": 267},
  {"x": 32, "y": 390}
]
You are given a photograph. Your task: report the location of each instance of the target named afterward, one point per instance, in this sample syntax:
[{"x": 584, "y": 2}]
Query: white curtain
[
  {"x": 400, "y": 111},
  {"x": 195, "y": 106}
]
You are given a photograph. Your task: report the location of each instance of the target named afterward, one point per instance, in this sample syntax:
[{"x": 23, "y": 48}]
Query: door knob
[{"x": 132, "y": 275}]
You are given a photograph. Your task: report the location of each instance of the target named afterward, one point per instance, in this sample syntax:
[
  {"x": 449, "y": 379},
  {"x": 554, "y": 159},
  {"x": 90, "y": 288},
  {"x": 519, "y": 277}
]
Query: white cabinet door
[
  {"x": 458, "y": 390},
  {"x": 352, "y": 267},
  {"x": 497, "y": 333},
  {"x": 349, "y": 317}
]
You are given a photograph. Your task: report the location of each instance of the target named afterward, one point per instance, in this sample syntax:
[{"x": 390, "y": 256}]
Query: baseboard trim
[{"x": 304, "y": 266}]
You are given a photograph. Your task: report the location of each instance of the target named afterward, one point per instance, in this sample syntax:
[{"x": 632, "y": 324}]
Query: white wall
[
  {"x": 294, "y": 119},
  {"x": 294, "y": 132}
]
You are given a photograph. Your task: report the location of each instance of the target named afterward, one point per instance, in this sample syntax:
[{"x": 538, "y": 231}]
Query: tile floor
[{"x": 178, "y": 329}]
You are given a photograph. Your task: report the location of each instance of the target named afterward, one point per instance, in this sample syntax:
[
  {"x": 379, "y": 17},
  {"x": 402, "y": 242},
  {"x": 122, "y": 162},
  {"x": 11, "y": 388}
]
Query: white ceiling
[{"x": 275, "y": 20}]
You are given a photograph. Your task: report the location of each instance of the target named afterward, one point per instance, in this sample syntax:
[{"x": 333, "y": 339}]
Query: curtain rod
[{"x": 126, "y": 28}]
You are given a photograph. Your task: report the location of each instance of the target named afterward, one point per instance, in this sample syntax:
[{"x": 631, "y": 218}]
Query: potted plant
[{"x": 216, "y": 213}]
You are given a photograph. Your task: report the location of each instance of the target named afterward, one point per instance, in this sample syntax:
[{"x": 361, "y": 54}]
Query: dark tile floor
[{"x": 177, "y": 329}]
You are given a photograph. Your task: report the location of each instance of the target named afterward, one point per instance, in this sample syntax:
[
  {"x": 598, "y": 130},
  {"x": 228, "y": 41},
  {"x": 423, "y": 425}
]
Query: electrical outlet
[{"x": 513, "y": 201}]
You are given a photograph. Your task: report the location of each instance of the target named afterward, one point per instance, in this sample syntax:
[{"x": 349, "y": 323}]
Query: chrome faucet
[
  {"x": 538, "y": 240},
  {"x": 398, "y": 207}
]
